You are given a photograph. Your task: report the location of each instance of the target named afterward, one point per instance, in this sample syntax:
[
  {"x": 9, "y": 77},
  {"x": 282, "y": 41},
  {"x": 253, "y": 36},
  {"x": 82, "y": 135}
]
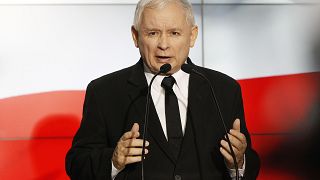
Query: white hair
[{"x": 142, "y": 4}]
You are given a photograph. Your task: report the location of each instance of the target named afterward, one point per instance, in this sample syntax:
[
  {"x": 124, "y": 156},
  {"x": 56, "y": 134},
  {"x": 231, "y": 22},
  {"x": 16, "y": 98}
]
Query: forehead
[{"x": 172, "y": 14}]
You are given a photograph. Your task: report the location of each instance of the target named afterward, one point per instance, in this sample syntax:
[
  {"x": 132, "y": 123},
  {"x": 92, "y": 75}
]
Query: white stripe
[
  {"x": 47, "y": 48},
  {"x": 258, "y": 41}
]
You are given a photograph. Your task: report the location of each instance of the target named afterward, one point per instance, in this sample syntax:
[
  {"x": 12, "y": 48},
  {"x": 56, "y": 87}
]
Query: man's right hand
[{"x": 129, "y": 148}]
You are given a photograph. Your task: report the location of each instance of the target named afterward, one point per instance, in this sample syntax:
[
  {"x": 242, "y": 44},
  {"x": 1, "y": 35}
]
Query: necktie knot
[{"x": 168, "y": 82}]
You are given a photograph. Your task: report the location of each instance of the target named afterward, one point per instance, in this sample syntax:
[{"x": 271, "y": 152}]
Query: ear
[
  {"x": 135, "y": 36},
  {"x": 194, "y": 35}
]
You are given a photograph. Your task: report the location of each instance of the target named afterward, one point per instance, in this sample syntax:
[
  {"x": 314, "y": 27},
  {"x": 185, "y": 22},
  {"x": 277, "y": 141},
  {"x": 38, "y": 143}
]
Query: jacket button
[{"x": 177, "y": 177}]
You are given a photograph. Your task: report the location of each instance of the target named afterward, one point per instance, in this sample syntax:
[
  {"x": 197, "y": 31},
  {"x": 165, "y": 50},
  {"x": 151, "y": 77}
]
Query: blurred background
[{"x": 51, "y": 49}]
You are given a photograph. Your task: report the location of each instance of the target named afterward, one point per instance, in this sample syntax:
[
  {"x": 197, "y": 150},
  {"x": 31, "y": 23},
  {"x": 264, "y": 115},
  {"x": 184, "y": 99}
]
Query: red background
[{"x": 282, "y": 115}]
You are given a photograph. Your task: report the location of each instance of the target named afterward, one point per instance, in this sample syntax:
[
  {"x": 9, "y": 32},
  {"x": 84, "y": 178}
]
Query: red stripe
[
  {"x": 33, "y": 159},
  {"x": 279, "y": 104},
  {"x": 273, "y": 105},
  {"x": 52, "y": 114}
]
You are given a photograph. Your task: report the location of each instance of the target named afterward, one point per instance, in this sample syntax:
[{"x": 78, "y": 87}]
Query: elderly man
[{"x": 185, "y": 137}]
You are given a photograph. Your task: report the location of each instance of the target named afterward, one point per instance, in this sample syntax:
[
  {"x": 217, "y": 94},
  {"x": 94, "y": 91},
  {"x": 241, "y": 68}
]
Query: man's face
[{"x": 164, "y": 36}]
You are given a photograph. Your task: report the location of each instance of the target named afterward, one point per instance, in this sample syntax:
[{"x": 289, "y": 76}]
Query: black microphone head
[
  {"x": 187, "y": 68},
  {"x": 165, "y": 68}
]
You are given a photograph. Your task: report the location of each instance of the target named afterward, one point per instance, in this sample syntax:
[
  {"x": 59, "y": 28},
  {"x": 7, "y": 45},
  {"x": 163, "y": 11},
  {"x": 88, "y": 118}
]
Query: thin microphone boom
[
  {"x": 163, "y": 69},
  {"x": 190, "y": 69}
]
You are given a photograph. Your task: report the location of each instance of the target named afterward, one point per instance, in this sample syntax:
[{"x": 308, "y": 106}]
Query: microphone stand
[
  {"x": 190, "y": 69},
  {"x": 163, "y": 69}
]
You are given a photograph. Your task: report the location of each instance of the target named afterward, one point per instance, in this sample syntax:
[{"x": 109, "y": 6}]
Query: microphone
[
  {"x": 192, "y": 69},
  {"x": 163, "y": 69}
]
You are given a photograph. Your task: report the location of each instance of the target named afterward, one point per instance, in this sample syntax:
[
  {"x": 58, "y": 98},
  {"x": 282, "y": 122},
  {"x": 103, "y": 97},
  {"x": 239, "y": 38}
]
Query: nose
[{"x": 163, "y": 42}]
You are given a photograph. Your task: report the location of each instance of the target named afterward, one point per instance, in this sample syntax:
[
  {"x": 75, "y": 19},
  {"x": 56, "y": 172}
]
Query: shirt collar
[{"x": 181, "y": 77}]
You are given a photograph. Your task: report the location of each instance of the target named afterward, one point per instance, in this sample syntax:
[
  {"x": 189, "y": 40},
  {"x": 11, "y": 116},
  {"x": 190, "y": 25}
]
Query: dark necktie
[{"x": 173, "y": 121}]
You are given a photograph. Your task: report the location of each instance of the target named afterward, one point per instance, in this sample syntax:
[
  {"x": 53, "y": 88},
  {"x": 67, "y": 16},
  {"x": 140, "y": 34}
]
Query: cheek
[
  {"x": 147, "y": 48},
  {"x": 150, "y": 53},
  {"x": 147, "y": 52},
  {"x": 183, "y": 49}
]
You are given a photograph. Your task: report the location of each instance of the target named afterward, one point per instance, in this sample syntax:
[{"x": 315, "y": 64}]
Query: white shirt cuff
[
  {"x": 114, "y": 171},
  {"x": 232, "y": 172}
]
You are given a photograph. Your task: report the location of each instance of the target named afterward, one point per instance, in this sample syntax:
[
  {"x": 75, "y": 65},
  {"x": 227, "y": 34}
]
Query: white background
[{"x": 62, "y": 45}]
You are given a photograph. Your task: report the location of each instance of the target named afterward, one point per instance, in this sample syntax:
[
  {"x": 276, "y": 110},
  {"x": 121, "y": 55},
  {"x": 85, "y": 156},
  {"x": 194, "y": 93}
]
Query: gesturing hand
[
  {"x": 239, "y": 145},
  {"x": 129, "y": 148}
]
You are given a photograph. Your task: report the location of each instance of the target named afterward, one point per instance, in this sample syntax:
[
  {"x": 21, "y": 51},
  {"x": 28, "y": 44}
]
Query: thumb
[
  {"x": 236, "y": 125},
  {"x": 135, "y": 127}
]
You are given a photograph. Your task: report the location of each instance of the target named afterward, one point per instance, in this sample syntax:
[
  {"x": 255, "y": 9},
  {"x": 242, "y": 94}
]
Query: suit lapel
[
  {"x": 156, "y": 131},
  {"x": 137, "y": 88},
  {"x": 201, "y": 111},
  {"x": 198, "y": 96}
]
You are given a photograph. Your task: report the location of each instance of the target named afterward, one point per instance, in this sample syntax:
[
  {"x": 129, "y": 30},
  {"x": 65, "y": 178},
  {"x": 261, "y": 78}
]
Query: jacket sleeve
[
  {"x": 90, "y": 154},
  {"x": 252, "y": 159}
]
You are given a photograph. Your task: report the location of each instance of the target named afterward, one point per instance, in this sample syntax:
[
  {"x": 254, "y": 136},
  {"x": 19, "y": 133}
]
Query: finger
[
  {"x": 227, "y": 156},
  {"x": 236, "y": 125},
  {"x": 129, "y": 135},
  {"x": 240, "y": 136},
  {"x": 135, "y": 127},
  {"x": 235, "y": 142},
  {"x": 225, "y": 145},
  {"x": 132, "y": 159},
  {"x": 134, "y": 143},
  {"x": 122, "y": 152},
  {"x": 136, "y": 151}
]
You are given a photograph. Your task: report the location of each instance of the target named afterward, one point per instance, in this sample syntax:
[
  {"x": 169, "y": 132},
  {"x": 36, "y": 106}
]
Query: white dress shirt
[{"x": 180, "y": 88}]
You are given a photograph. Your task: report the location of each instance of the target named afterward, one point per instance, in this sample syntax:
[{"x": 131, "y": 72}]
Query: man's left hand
[{"x": 239, "y": 145}]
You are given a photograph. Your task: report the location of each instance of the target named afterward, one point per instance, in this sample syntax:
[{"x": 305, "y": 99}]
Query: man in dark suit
[{"x": 185, "y": 137}]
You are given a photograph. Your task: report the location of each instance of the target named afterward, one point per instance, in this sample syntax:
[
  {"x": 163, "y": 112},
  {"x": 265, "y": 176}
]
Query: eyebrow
[
  {"x": 151, "y": 29},
  {"x": 156, "y": 29},
  {"x": 175, "y": 29}
]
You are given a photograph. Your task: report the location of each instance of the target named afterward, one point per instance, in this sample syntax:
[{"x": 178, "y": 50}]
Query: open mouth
[{"x": 163, "y": 58}]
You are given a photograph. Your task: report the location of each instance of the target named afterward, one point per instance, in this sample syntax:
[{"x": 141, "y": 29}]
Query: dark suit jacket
[{"x": 117, "y": 100}]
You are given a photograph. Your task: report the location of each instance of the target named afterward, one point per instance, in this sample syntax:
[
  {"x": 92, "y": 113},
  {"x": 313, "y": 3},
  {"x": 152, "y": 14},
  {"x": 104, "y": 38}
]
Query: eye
[
  {"x": 175, "y": 33},
  {"x": 152, "y": 33}
]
